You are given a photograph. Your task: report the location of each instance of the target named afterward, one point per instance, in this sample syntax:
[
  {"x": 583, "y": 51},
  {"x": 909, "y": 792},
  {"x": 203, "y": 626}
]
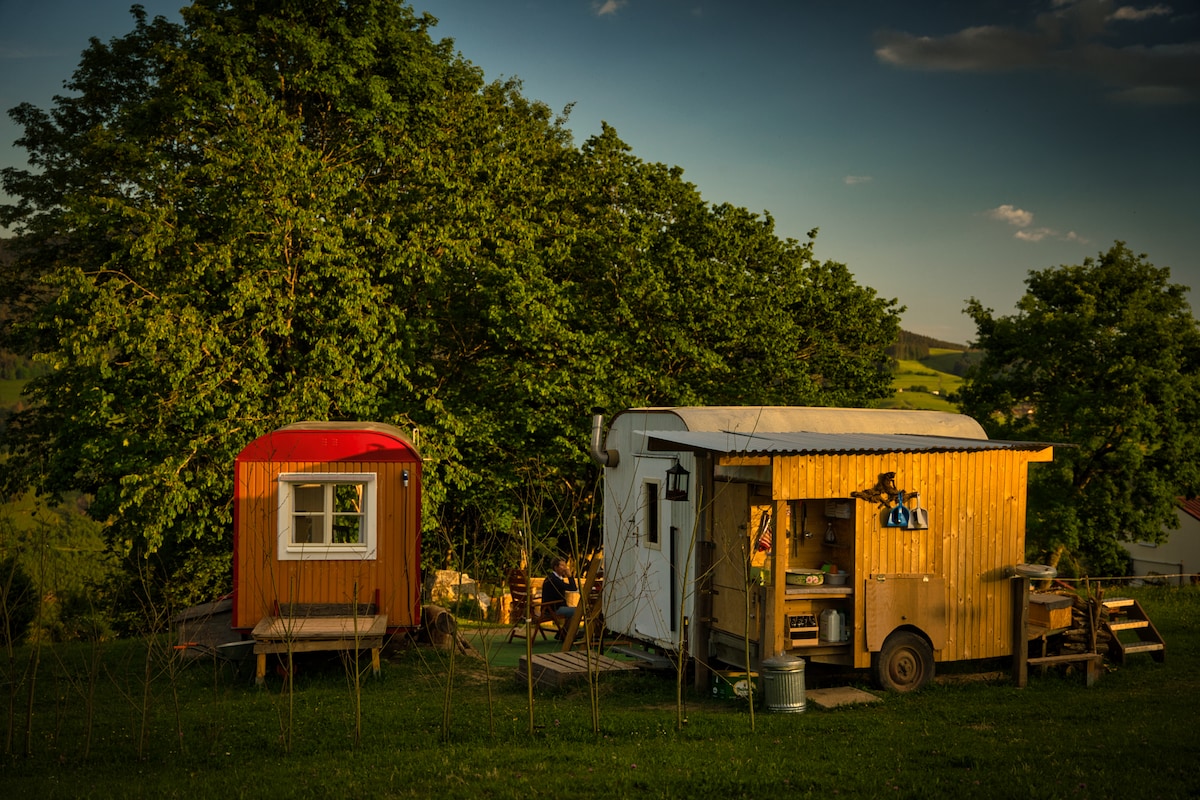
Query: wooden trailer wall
[
  {"x": 977, "y": 504},
  {"x": 265, "y": 583}
]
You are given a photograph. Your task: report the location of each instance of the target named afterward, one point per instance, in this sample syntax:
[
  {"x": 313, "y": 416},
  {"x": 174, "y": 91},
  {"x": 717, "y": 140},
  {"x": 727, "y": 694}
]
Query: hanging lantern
[{"x": 677, "y": 482}]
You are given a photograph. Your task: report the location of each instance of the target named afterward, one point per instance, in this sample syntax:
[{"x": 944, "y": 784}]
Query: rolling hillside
[{"x": 927, "y": 382}]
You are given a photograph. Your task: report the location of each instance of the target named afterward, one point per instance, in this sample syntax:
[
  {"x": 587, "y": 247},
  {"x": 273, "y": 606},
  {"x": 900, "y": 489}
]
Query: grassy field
[
  {"x": 10, "y": 391},
  {"x": 204, "y": 732},
  {"x": 917, "y": 381}
]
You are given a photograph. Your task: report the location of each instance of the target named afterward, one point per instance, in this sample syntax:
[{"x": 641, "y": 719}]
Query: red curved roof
[{"x": 332, "y": 441}]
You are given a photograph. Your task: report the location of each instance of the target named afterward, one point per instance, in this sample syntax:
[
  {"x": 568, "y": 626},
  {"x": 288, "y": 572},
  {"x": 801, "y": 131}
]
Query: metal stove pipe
[{"x": 605, "y": 458}]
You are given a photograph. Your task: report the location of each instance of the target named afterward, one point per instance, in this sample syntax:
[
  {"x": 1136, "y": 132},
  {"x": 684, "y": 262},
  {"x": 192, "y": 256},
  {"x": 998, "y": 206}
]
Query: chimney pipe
[{"x": 605, "y": 458}]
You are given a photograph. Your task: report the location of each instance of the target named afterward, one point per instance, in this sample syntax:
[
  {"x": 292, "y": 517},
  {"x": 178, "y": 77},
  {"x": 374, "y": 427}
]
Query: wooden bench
[{"x": 1093, "y": 663}]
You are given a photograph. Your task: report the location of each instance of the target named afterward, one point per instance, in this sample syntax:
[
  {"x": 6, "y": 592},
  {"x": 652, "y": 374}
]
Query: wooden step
[
  {"x": 1126, "y": 614},
  {"x": 645, "y": 659},
  {"x": 1131, "y": 625}
]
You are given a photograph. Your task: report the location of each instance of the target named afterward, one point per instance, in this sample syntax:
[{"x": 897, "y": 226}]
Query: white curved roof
[{"x": 792, "y": 419}]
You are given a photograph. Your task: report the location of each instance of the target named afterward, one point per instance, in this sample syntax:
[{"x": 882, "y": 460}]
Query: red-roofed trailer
[{"x": 327, "y": 520}]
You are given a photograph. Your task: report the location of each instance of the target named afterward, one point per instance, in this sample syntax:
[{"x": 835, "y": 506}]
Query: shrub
[{"x": 18, "y": 601}]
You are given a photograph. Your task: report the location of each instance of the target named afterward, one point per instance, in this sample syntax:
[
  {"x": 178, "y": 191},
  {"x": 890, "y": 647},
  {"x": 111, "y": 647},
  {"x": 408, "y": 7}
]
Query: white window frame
[{"x": 326, "y": 551}]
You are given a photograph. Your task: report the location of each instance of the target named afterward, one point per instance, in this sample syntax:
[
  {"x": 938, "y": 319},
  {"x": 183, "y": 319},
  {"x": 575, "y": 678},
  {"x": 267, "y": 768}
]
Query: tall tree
[
  {"x": 687, "y": 302},
  {"x": 282, "y": 210},
  {"x": 1104, "y": 357},
  {"x": 239, "y": 222}
]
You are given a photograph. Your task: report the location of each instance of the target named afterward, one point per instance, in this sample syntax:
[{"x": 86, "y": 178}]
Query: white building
[{"x": 1179, "y": 556}]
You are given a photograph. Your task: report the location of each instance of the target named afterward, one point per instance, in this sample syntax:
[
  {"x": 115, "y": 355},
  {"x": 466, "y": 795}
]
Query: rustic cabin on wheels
[
  {"x": 327, "y": 538},
  {"x": 787, "y": 526}
]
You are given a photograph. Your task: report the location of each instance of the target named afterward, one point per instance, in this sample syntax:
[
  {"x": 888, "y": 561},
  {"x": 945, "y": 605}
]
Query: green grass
[
  {"x": 1130, "y": 735},
  {"x": 916, "y": 381},
  {"x": 910, "y": 374},
  {"x": 10, "y": 391},
  {"x": 944, "y": 360}
]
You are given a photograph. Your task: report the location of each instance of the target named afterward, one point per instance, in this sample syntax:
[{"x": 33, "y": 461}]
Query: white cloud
[
  {"x": 1023, "y": 220},
  {"x": 1033, "y": 234},
  {"x": 1075, "y": 37},
  {"x": 854, "y": 180},
  {"x": 1129, "y": 13},
  {"x": 608, "y": 7},
  {"x": 1012, "y": 215}
]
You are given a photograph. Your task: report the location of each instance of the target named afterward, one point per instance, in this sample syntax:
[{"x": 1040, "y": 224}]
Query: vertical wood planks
[{"x": 976, "y": 503}]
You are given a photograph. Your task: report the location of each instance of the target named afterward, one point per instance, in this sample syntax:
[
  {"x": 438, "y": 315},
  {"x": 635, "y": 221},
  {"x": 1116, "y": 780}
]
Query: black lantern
[{"x": 677, "y": 483}]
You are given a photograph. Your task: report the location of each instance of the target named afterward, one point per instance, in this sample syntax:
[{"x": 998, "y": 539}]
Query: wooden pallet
[
  {"x": 1126, "y": 615},
  {"x": 557, "y": 669},
  {"x": 643, "y": 657}
]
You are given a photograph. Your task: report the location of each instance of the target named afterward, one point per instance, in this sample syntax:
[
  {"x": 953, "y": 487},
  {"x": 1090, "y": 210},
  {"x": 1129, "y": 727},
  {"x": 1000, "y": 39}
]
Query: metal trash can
[{"x": 783, "y": 684}]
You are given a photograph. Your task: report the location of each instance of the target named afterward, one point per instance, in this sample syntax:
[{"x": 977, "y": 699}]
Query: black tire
[{"x": 905, "y": 664}]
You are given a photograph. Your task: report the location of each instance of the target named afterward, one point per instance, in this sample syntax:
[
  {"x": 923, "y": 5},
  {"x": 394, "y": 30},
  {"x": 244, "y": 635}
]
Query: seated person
[{"x": 555, "y": 588}]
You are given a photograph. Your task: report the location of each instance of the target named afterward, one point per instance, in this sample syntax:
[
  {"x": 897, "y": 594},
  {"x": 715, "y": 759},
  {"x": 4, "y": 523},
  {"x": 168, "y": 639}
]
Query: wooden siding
[
  {"x": 976, "y": 503},
  {"x": 264, "y": 581}
]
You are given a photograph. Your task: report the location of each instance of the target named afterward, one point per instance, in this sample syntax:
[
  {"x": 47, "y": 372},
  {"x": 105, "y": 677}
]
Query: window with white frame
[{"x": 326, "y": 516}]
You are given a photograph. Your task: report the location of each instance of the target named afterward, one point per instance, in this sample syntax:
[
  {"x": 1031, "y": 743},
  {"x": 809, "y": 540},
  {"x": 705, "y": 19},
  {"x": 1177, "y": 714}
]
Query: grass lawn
[
  {"x": 210, "y": 733},
  {"x": 929, "y": 375},
  {"x": 10, "y": 391}
]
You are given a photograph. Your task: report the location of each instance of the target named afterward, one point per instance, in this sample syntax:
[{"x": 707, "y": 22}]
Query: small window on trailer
[
  {"x": 651, "y": 526},
  {"x": 326, "y": 516}
]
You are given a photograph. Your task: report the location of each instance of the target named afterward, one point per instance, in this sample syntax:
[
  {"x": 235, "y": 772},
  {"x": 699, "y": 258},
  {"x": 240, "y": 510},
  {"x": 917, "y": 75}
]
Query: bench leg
[
  {"x": 375, "y": 661},
  {"x": 1095, "y": 666},
  {"x": 260, "y": 669}
]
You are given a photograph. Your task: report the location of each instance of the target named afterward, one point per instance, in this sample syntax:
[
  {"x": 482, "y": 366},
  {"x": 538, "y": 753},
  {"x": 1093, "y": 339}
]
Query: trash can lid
[
  {"x": 1035, "y": 571},
  {"x": 783, "y": 663}
]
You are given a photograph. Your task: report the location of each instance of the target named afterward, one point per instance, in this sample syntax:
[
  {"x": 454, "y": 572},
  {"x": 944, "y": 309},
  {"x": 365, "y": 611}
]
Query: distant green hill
[{"x": 930, "y": 376}]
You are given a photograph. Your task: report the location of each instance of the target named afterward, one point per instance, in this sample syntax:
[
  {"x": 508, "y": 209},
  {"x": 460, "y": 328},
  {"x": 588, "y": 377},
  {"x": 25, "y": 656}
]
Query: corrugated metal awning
[{"x": 791, "y": 443}]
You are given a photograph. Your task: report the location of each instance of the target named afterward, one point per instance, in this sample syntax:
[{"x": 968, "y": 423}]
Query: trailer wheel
[{"x": 905, "y": 663}]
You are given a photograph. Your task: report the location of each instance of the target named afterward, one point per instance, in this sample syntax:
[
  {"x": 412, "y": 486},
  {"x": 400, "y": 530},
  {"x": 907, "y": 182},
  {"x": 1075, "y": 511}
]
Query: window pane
[
  {"x": 652, "y": 514},
  {"x": 307, "y": 529},
  {"x": 308, "y": 497},
  {"x": 347, "y": 529},
  {"x": 347, "y": 498}
]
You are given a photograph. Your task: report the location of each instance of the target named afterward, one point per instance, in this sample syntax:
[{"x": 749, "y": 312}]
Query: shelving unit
[{"x": 822, "y": 532}]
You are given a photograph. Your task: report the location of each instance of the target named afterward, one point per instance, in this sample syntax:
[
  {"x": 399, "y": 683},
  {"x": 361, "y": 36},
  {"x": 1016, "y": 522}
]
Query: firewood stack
[{"x": 1087, "y": 633}]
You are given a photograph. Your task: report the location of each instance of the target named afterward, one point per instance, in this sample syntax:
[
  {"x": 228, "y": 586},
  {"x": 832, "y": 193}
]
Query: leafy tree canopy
[
  {"x": 278, "y": 211},
  {"x": 1106, "y": 357}
]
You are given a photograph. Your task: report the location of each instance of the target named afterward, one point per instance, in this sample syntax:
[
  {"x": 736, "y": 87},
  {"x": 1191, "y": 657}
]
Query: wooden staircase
[{"x": 1125, "y": 615}]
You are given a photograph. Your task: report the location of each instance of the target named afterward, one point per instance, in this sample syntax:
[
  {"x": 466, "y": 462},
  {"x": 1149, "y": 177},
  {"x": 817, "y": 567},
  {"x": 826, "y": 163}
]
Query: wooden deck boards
[
  {"x": 557, "y": 669},
  {"x": 310, "y": 634}
]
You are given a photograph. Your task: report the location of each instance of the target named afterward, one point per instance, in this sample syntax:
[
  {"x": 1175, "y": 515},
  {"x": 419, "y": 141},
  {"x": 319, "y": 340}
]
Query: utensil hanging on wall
[
  {"x": 830, "y": 534},
  {"x": 918, "y": 518},
  {"x": 898, "y": 516}
]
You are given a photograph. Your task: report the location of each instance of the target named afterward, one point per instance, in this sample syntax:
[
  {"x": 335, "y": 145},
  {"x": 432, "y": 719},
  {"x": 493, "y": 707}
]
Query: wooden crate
[
  {"x": 1050, "y": 610},
  {"x": 803, "y": 630}
]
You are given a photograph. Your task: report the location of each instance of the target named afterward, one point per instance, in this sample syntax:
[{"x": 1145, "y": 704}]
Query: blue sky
[{"x": 943, "y": 148}]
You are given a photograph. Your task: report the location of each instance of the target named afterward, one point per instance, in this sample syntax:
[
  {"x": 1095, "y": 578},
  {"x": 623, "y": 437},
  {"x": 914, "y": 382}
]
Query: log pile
[{"x": 1087, "y": 633}]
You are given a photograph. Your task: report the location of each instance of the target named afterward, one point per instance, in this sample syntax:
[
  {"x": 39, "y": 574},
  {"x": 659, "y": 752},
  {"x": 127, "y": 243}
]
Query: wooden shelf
[{"x": 818, "y": 591}]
